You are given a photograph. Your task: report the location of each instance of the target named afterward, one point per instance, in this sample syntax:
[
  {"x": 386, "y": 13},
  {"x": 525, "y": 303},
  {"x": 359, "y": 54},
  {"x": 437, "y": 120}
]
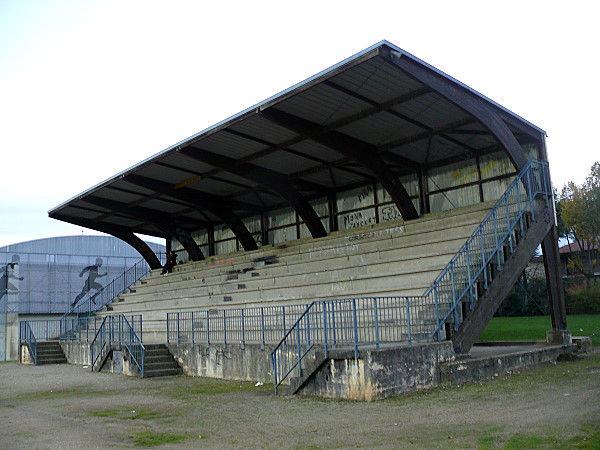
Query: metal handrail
[
  {"x": 352, "y": 323},
  {"x": 26, "y": 336},
  {"x": 258, "y": 325},
  {"x": 472, "y": 261},
  {"x": 133, "y": 344},
  {"x": 117, "y": 332},
  {"x": 457, "y": 280},
  {"x": 100, "y": 341}
]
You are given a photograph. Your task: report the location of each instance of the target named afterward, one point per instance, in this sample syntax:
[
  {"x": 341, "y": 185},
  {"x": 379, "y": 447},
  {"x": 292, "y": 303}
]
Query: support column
[{"x": 559, "y": 333}]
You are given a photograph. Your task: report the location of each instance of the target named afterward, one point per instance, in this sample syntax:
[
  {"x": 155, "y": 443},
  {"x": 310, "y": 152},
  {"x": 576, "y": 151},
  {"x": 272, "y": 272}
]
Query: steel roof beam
[
  {"x": 362, "y": 152},
  {"x": 123, "y": 233},
  {"x": 385, "y": 107},
  {"x": 276, "y": 181},
  {"x": 212, "y": 203},
  {"x": 464, "y": 99},
  {"x": 161, "y": 220}
]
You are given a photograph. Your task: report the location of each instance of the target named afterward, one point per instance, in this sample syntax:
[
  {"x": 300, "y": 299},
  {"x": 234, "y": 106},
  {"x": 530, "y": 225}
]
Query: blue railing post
[
  {"x": 325, "y": 331},
  {"x": 355, "y": 323},
  {"x": 299, "y": 349},
  {"x": 243, "y": 342},
  {"x": 408, "y": 320},
  {"x": 207, "y": 328},
  {"x": 178, "y": 328},
  {"x": 483, "y": 257},
  {"x": 375, "y": 312},
  {"x": 438, "y": 322},
  {"x": 262, "y": 327},
  {"x": 496, "y": 238},
  {"x": 508, "y": 225},
  {"x": 193, "y": 328},
  {"x": 471, "y": 296},
  {"x": 224, "y": 327},
  {"x": 169, "y": 318}
]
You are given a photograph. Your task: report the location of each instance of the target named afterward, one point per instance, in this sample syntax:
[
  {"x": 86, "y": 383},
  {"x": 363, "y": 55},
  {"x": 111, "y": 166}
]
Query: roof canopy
[{"x": 376, "y": 116}]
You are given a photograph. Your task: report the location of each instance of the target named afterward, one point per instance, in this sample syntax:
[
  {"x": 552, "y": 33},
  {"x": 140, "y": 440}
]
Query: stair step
[{"x": 149, "y": 373}]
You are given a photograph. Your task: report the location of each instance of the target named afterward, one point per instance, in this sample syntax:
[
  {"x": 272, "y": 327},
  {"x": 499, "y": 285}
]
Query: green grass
[
  {"x": 152, "y": 439},
  {"x": 534, "y": 328}
]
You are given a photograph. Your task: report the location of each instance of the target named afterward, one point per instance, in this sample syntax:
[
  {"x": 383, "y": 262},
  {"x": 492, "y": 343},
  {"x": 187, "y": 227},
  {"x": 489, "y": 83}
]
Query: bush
[
  {"x": 582, "y": 297},
  {"x": 525, "y": 299}
]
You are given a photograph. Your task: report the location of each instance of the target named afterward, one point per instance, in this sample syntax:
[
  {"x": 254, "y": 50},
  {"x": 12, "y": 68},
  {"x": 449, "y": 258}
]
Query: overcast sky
[{"x": 90, "y": 88}]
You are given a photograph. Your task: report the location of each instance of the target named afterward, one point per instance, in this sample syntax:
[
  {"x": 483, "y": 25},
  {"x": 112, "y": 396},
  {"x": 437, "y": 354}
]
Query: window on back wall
[
  {"x": 225, "y": 240},
  {"x": 282, "y": 225},
  {"x": 356, "y": 208},
  {"x": 254, "y": 227}
]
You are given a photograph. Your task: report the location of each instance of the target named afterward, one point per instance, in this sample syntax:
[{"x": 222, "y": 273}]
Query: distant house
[
  {"x": 535, "y": 269},
  {"x": 569, "y": 250}
]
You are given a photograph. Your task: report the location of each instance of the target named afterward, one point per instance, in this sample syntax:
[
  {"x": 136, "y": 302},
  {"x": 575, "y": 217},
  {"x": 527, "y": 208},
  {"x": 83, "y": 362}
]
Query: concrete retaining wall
[
  {"x": 465, "y": 370},
  {"x": 228, "y": 362},
  {"x": 379, "y": 373},
  {"x": 76, "y": 352}
]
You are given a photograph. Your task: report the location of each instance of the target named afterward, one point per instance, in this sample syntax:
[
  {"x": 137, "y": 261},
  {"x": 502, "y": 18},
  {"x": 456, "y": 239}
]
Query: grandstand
[{"x": 375, "y": 213}]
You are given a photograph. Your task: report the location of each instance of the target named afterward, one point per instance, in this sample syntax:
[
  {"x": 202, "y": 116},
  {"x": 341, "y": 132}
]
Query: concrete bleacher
[{"x": 383, "y": 260}]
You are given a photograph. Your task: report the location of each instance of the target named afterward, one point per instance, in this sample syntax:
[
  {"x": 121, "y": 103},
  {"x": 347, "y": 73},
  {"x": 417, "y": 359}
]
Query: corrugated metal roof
[{"x": 364, "y": 100}]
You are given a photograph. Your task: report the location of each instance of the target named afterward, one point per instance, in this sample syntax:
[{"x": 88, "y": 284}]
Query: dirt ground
[{"x": 68, "y": 407}]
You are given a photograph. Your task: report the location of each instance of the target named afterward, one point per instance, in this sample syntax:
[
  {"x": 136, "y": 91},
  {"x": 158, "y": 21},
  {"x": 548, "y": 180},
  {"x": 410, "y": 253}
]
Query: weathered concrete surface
[
  {"x": 25, "y": 355},
  {"x": 228, "y": 362},
  {"x": 584, "y": 343},
  {"x": 379, "y": 373},
  {"x": 76, "y": 352},
  {"x": 558, "y": 337},
  {"x": 487, "y": 367}
]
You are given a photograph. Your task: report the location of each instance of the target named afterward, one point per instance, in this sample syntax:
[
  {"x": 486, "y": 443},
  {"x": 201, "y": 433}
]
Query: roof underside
[{"x": 298, "y": 139}]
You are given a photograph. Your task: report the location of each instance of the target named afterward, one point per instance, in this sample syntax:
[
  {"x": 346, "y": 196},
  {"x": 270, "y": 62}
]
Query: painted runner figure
[
  {"x": 90, "y": 283},
  {"x": 6, "y": 287}
]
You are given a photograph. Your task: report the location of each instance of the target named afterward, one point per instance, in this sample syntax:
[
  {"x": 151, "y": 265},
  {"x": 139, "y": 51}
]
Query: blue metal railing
[
  {"x": 102, "y": 339},
  {"x": 119, "y": 332},
  {"x": 352, "y": 323},
  {"x": 27, "y": 337},
  {"x": 258, "y": 325},
  {"x": 472, "y": 263},
  {"x": 133, "y": 344},
  {"x": 321, "y": 324}
]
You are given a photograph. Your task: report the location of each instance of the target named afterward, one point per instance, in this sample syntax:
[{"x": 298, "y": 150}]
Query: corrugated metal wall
[{"x": 48, "y": 276}]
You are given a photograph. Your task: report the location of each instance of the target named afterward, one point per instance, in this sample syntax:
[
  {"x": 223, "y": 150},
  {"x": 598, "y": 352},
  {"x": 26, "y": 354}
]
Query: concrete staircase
[
  {"x": 388, "y": 259},
  {"x": 159, "y": 362},
  {"x": 50, "y": 353}
]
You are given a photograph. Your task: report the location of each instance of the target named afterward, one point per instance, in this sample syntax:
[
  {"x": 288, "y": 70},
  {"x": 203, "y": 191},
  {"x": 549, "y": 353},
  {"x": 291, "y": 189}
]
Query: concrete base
[
  {"x": 558, "y": 337},
  {"x": 379, "y": 373},
  {"x": 583, "y": 343},
  {"x": 502, "y": 361}
]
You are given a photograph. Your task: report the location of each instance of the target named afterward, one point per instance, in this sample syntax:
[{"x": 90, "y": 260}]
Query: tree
[{"x": 579, "y": 209}]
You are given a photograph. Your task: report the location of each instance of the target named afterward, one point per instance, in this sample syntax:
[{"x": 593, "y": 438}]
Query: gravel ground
[{"x": 68, "y": 407}]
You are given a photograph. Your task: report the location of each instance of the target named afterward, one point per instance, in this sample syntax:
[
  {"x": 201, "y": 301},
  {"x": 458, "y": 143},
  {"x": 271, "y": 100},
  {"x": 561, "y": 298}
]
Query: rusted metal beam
[
  {"x": 212, "y": 203},
  {"x": 464, "y": 99},
  {"x": 361, "y": 152},
  {"x": 161, "y": 220},
  {"x": 119, "y": 232},
  {"x": 275, "y": 181}
]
